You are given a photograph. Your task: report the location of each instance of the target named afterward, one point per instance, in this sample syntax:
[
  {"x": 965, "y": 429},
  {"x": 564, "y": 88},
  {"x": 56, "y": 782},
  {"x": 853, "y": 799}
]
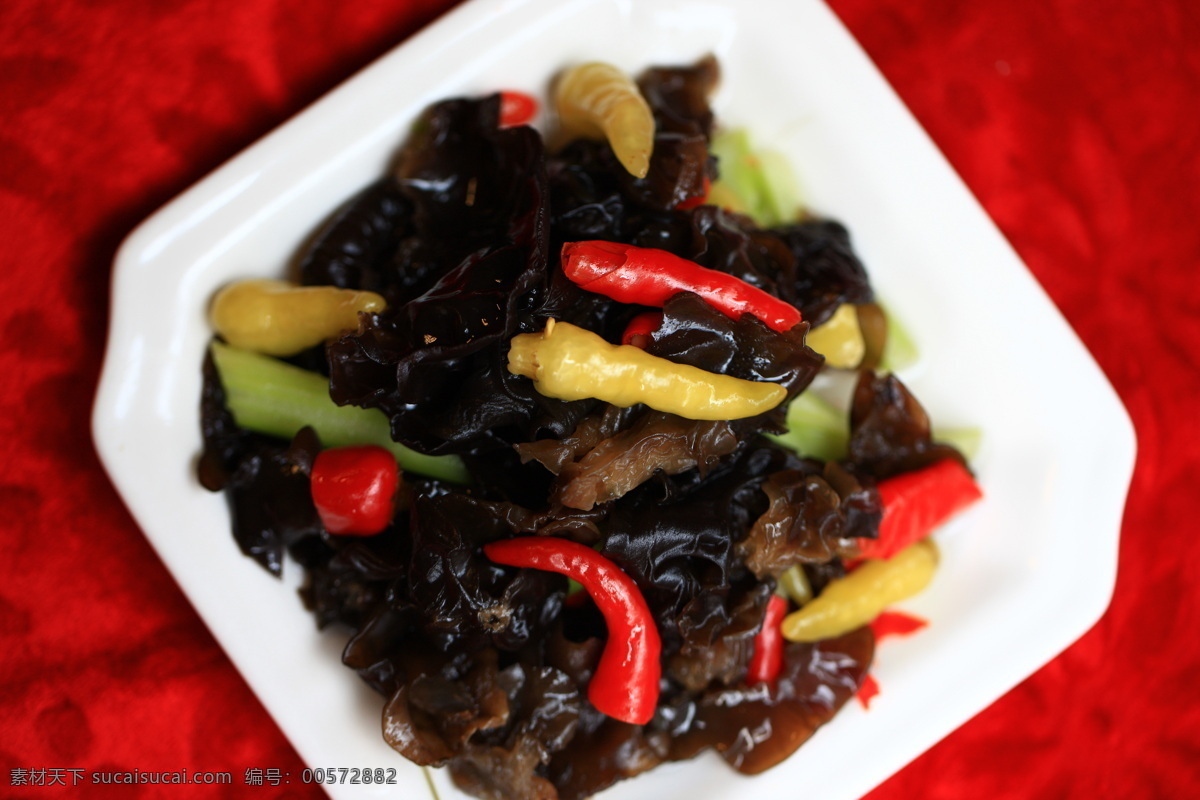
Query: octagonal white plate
[{"x": 1058, "y": 447}]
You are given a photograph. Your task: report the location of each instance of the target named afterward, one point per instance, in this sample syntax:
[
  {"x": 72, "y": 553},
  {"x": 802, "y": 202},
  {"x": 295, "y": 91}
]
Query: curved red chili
[
  {"x": 641, "y": 328},
  {"x": 650, "y": 277},
  {"x": 917, "y": 502},
  {"x": 767, "y": 661},
  {"x": 625, "y": 683}
]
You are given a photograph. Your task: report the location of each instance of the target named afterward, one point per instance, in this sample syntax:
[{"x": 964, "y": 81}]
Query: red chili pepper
[
  {"x": 625, "y": 684},
  {"x": 896, "y": 623},
  {"x": 650, "y": 277},
  {"x": 868, "y": 690},
  {"x": 767, "y": 661},
  {"x": 697, "y": 200},
  {"x": 641, "y": 328},
  {"x": 889, "y": 623},
  {"x": 516, "y": 108},
  {"x": 354, "y": 489},
  {"x": 917, "y": 502}
]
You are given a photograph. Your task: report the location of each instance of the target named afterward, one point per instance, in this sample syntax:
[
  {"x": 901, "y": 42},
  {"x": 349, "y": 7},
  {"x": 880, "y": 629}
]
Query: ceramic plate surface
[{"x": 1058, "y": 447}]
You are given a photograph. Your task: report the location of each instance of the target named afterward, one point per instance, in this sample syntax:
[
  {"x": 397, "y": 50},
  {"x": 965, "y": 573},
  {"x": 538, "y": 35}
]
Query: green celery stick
[
  {"x": 781, "y": 193},
  {"x": 759, "y": 183},
  {"x": 736, "y": 188},
  {"x": 815, "y": 428},
  {"x": 818, "y": 430},
  {"x": 900, "y": 352},
  {"x": 273, "y": 397}
]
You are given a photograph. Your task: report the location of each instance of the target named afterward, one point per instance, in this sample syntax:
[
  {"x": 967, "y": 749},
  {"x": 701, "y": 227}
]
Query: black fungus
[
  {"x": 814, "y": 518},
  {"x": 463, "y": 599},
  {"x": 270, "y": 502},
  {"x": 356, "y": 246},
  {"x": 680, "y": 548},
  {"x": 693, "y": 332},
  {"x": 889, "y": 429},
  {"x": 826, "y": 271}
]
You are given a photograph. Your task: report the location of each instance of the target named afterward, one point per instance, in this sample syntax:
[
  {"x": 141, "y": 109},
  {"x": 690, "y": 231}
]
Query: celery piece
[
  {"x": 899, "y": 352},
  {"x": 967, "y": 440},
  {"x": 736, "y": 189},
  {"x": 815, "y": 428},
  {"x": 270, "y": 396},
  {"x": 731, "y": 147},
  {"x": 741, "y": 176},
  {"x": 723, "y": 196},
  {"x": 781, "y": 193},
  {"x": 760, "y": 183}
]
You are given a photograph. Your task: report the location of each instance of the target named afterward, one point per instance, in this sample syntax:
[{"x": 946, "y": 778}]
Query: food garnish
[
  {"x": 354, "y": 489},
  {"x": 917, "y": 503},
  {"x": 570, "y": 363},
  {"x": 517, "y": 108},
  {"x": 641, "y": 328},
  {"x": 597, "y": 99},
  {"x": 767, "y": 661},
  {"x": 625, "y": 683},
  {"x": 840, "y": 339},
  {"x": 273, "y": 397},
  {"x": 858, "y": 598},
  {"x": 651, "y": 277},
  {"x": 279, "y": 318}
]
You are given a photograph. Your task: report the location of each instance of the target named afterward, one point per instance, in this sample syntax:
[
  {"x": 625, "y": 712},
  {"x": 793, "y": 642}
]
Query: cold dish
[{"x": 533, "y": 421}]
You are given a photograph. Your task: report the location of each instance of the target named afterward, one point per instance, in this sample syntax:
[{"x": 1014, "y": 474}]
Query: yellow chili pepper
[
  {"x": 570, "y": 363},
  {"x": 278, "y": 318},
  {"x": 795, "y": 585},
  {"x": 853, "y": 601},
  {"x": 839, "y": 339},
  {"x": 597, "y": 100}
]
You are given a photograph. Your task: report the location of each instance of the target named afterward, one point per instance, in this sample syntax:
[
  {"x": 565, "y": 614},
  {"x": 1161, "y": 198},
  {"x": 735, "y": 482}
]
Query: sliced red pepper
[
  {"x": 867, "y": 690},
  {"x": 641, "y": 327},
  {"x": 650, "y": 277},
  {"x": 915, "y": 503},
  {"x": 889, "y": 623},
  {"x": 697, "y": 200},
  {"x": 896, "y": 623},
  {"x": 767, "y": 661},
  {"x": 354, "y": 489},
  {"x": 517, "y": 108},
  {"x": 625, "y": 683}
]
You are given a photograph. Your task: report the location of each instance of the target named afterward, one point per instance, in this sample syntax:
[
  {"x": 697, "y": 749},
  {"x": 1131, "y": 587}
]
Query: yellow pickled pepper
[
  {"x": 569, "y": 363},
  {"x": 279, "y": 318},
  {"x": 856, "y": 599},
  {"x": 598, "y": 100}
]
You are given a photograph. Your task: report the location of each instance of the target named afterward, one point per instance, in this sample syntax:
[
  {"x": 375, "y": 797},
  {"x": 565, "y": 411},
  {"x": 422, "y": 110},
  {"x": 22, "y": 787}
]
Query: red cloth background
[{"x": 1074, "y": 121}]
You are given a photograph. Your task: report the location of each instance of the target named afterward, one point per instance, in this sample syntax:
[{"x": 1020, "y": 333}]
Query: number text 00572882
[{"x": 348, "y": 775}]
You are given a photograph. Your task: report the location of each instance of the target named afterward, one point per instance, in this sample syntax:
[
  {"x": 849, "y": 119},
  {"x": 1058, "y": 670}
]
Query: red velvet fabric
[{"x": 1073, "y": 121}]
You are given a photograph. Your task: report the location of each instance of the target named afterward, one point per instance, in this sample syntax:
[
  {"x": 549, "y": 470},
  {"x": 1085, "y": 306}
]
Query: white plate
[{"x": 1058, "y": 448}]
